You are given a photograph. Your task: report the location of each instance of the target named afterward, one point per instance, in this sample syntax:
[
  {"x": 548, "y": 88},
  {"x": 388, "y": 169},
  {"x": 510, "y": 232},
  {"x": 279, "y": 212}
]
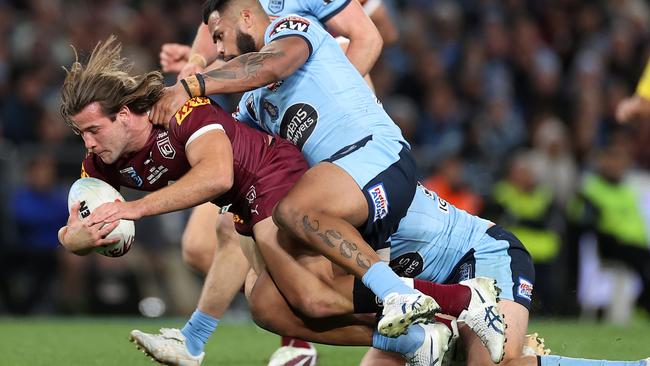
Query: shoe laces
[{"x": 486, "y": 321}]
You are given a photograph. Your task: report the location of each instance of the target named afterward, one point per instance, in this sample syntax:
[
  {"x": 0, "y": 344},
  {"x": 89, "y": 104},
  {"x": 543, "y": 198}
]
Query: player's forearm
[
  {"x": 194, "y": 188},
  {"x": 243, "y": 73},
  {"x": 363, "y": 51}
]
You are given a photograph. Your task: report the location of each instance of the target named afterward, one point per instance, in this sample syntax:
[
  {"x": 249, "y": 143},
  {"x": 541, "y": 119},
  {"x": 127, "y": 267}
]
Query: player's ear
[
  {"x": 246, "y": 17},
  {"x": 123, "y": 115}
]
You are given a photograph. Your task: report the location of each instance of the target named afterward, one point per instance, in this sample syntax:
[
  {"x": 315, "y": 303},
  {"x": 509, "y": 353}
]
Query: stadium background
[{"x": 503, "y": 101}]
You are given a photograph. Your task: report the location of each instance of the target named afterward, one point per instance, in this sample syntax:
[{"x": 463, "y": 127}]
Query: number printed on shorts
[{"x": 443, "y": 205}]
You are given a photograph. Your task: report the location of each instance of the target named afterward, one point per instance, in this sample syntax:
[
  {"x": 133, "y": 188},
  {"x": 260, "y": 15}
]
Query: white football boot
[
  {"x": 433, "y": 349},
  {"x": 483, "y": 316},
  {"x": 294, "y": 356},
  {"x": 168, "y": 347},
  {"x": 402, "y": 310}
]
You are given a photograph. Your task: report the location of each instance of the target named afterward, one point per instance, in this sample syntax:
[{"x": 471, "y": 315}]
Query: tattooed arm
[
  {"x": 275, "y": 61},
  {"x": 272, "y": 63}
]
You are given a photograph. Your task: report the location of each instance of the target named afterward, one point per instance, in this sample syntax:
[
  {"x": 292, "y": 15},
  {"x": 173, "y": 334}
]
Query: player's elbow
[
  {"x": 373, "y": 42},
  {"x": 219, "y": 184}
]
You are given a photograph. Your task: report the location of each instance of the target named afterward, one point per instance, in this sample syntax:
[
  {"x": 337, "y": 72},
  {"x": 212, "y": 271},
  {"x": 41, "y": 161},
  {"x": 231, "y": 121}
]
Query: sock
[
  {"x": 295, "y": 342},
  {"x": 453, "y": 299},
  {"x": 406, "y": 343},
  {"x": 364, "y": 300},
  {"x": 197, "y": 330},
  {"x": 383, "y": 281},
  {"x": 552, "y": 360}
]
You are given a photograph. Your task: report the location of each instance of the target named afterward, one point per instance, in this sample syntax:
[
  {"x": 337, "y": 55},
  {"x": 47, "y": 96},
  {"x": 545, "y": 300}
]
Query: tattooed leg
[{"x": 323, "y": 210}]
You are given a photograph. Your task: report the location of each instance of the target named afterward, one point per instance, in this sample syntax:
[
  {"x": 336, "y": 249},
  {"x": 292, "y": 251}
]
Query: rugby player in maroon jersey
[{"x": 206, "y": 155}]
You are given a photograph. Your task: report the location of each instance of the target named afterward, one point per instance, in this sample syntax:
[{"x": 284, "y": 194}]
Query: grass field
[{"x": 103, "y": 341}]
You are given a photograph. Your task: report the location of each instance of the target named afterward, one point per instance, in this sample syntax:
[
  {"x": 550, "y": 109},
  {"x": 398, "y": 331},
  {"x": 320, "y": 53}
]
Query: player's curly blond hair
[{"x": 106, "y": 79}]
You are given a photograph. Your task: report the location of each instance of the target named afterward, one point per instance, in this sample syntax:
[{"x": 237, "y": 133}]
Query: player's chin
[{"x": 107, "y": 157}]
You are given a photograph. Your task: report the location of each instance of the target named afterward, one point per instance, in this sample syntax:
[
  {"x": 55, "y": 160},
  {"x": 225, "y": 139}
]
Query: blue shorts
[
  {"x": 385, "y": 171},
  {"x": 499, "y": 255}
]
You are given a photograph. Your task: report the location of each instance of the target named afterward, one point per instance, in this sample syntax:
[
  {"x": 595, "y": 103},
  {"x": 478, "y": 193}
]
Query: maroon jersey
[{"x": 264, "y": 168}]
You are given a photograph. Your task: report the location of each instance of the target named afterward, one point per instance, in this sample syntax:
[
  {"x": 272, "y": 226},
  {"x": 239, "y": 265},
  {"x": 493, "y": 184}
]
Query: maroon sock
[
  {"x": 295, "y": 342},
  {"x": 453, "y": 299},
  {"x": 445, "y": 321}
]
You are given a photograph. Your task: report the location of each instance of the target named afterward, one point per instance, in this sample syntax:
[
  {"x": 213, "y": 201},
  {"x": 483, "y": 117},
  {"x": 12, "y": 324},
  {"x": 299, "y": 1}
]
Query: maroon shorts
[{"x": 282, "y": 166}]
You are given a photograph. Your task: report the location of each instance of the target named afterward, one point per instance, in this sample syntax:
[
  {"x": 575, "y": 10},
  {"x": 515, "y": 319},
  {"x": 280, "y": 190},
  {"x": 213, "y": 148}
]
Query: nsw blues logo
[
  {"x": 525, "y": 289},
  {"x": 276, "y": 6},
  {"x": 379, "y": 199}
]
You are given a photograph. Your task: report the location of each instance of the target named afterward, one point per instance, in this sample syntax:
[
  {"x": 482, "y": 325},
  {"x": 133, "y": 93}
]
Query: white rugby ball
[{"x": 92, "y": 193}]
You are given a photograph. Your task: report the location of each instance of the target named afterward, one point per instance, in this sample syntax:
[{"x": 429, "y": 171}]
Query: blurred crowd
[{"x": 509, "y": 106}]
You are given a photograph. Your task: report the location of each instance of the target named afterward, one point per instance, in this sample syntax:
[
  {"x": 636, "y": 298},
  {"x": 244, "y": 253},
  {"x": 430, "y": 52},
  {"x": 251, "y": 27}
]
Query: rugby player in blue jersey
[{"x": 301, "y": 86}]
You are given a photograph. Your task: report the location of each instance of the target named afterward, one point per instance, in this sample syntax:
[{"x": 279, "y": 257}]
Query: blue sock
[
  {"x": 568, "y": 361},
  {"x": 197, "y": 330},
  {"x": 406, "y": 343},
  {"x": 381, "y": 280}
]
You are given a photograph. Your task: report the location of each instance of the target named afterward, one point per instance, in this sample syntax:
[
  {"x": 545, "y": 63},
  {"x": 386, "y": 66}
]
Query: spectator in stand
[
  {"x": 449, "y": 182},
  {"x": 38, "y": 208}
]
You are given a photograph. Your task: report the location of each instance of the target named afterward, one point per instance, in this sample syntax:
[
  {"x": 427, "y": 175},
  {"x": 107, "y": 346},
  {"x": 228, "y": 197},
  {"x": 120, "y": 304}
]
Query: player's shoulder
[
  {"x": 198, "y": 106},
  {"x": 291, "y": 23}
]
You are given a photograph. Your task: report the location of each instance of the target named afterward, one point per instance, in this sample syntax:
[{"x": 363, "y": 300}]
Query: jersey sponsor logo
[
  {"x": 155, "y": 173},
  {"x": 408, "y": 264},
  {"x": 187, "y": 108},
  {"x": 525, "y": 289},
  {"x": 276, "y": 6},
  {"x": 379, "y": 199},
  {"x": 271, "y": 109},
  {"x": 291, "y": 23},
  {"x": 298, "y": 122},
  {"x": 133, "y": 175},
  {"x": 250, "y": 107},
  {"x": 166, "y": 149}
]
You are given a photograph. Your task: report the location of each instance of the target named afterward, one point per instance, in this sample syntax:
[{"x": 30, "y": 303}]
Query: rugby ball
[{"x": 92, "y": 193}]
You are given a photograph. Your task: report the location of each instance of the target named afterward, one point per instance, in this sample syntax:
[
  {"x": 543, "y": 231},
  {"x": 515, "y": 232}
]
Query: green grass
[{"x": 103, "y": 341}]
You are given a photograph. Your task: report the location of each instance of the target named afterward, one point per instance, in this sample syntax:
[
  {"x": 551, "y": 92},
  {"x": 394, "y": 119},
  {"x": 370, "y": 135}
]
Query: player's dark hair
[
  {"x": 106, "y": 79},
  {"x": 210, "y": 6}
]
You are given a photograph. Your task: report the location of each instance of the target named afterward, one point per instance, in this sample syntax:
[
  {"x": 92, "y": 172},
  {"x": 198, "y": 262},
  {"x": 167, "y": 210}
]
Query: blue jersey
[
  {"x": 323, "y": 106},
  {"x": 318, "y": 10},
  {"x": 433, "y": 237}
]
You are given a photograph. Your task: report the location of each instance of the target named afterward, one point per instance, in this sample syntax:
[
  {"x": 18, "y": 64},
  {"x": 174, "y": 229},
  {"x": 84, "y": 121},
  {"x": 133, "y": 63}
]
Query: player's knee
[
  {"x": 264, "y": 317},
  {"x": 226, "y": 233},
  {"x": 195, "y": 256}
]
